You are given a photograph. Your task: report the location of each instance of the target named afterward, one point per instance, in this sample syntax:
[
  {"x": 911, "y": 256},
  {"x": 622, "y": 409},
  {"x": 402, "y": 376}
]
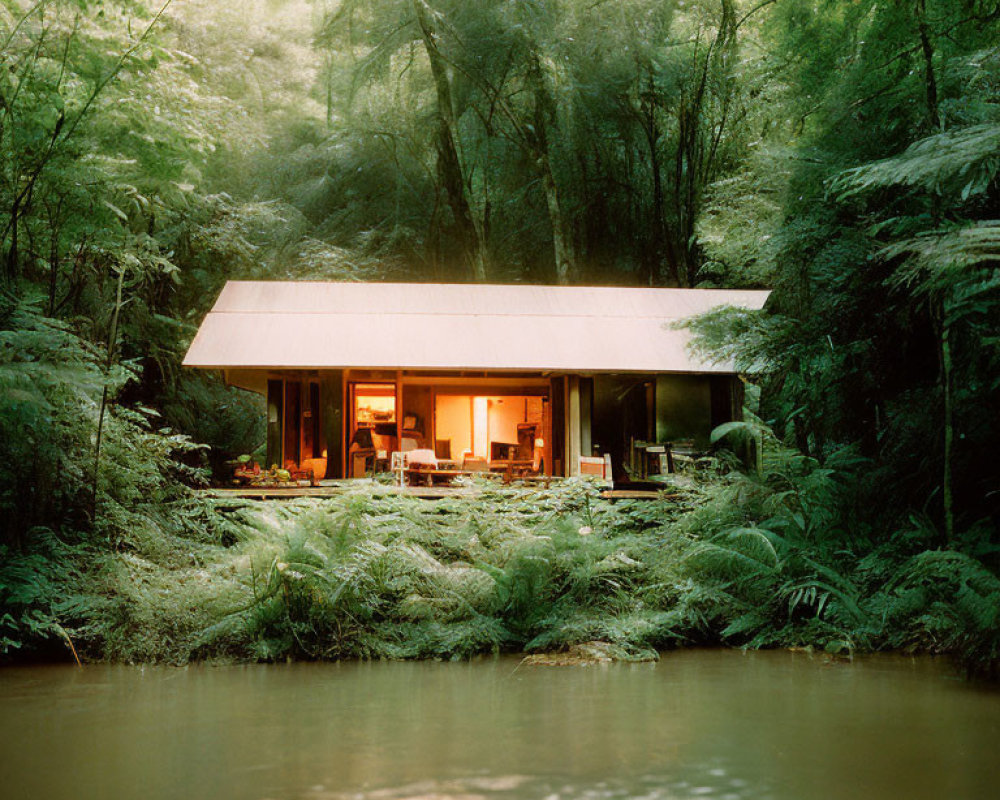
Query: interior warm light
[
  {"x": 480, "y": 426},
  {"x": 539, "y": 442}
]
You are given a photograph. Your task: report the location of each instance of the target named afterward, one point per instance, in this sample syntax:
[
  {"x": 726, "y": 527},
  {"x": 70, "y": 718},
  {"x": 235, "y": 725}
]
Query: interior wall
[
  {"x": 505, "y": 414},
  {"x": 455, "y": 418},
  {"x": 418, "y": 410},
  {"x": 586, "y": 416},
  {"x": 480, "y": 427},
  {"x": 453, "y": 421},
  {"x": 311, "y": 442}
]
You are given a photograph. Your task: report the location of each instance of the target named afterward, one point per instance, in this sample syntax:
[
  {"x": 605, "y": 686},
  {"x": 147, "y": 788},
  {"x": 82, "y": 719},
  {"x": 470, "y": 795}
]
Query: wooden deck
[
  {"x": 331, "y": 489},
  {"x": 638, "y": 494},
  {"x": 336, "y": 488}
]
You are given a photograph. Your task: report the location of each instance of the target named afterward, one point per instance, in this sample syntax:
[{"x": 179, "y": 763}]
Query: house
[{"x": 516, "y": 371}]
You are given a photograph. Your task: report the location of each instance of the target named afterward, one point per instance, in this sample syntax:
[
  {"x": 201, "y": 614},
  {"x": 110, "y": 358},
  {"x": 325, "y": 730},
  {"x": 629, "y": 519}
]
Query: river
[{"x": 697, "y": 724}]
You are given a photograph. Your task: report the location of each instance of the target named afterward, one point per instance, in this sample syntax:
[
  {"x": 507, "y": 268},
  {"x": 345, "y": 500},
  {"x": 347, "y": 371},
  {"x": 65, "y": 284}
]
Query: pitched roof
[{"x": 325, "y": 325}]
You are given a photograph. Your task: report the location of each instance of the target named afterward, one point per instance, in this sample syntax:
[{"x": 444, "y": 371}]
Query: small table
[
  {"x": 512, "y": 468},
  {"x": 661, "y": 451}
]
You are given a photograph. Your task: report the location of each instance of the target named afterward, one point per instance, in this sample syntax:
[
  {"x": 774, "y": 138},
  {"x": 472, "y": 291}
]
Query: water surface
[{"x": 711, "y": 724}]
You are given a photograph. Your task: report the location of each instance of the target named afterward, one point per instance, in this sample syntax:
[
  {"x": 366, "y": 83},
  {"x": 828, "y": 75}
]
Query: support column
[
  {"x": 586, "y": 416},
  {"x": 573, "y": 428},
  {"x": 331, "y": 393},
  {"x": 557, "y": 403},
  {"x": 292, "y": 436},
  {"x": 275, "y": 419}
]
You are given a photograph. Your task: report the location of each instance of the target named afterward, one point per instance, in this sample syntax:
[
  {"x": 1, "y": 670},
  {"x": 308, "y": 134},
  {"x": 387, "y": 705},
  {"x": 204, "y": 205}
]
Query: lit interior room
[{"x": 491, "y": 428}]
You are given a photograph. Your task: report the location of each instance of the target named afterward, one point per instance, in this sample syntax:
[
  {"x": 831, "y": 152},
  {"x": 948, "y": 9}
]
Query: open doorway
[
  {"x": 493, "y": 428},
  {"x": 624, "y": 412},
  {"x": 372, "y": 428}
]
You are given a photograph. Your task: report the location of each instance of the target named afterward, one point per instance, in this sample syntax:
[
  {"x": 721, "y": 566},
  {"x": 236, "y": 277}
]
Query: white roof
[{"x": 325, "y": 325}]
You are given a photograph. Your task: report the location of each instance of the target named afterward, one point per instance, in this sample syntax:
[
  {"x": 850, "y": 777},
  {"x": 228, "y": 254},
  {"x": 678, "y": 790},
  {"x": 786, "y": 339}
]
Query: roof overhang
[{"x": 275, "y": 325}]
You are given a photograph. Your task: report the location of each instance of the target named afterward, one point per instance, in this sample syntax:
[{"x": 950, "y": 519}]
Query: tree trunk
[
  {"x": 12, "y": 254},
  {"x": 698, "y": 140},
  {"x": 930, "y": 81},
  {"x": 686, "y": 189},
  {"x": 112, "y": 339},
  {"x": 450, "y": 176},
  {"x": 562, "y": 245},
  {"x": 449, "y": 164},
  {"x": 53, "y": 275},
  {"x": 949, "y": 426},
  {"x": 562, "y": 240},
  {"x": 657, "y": 244}
]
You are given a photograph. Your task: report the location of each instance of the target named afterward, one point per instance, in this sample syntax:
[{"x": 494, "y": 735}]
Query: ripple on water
[{"x": 526, "y": 787}]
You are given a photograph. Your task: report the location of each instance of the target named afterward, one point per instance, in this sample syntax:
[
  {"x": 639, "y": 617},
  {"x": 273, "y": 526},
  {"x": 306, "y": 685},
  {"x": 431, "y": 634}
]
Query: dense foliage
[
  {"x": 843, "y": 152},
  {"x": 744, "y": 560}
]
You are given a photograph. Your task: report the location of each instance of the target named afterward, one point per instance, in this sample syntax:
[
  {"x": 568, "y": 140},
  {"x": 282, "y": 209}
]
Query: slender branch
[
  {"x": 28, "y": 64},
  {"x": 112, "y": 340},
  {"x": 20, "y": 22},
  {"x": 754, "y": 10},
  {"x": 484, "y": 84},
  {"x": 60, "y": 136},
  {"x": 115, "y": 70},
  {"x": 65, "y": 55}
]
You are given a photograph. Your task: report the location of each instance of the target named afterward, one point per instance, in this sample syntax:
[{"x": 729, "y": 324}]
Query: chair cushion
[{"x": 423, "y": 458}]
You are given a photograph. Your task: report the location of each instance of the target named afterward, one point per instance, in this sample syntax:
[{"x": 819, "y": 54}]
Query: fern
[{"x": 960, "y": 162}]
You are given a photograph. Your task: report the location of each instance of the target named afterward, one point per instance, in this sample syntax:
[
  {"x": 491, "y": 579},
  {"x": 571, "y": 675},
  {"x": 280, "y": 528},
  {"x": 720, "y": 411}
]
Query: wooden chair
[
  {"x": 362, "y": 462},
  {"x": 595, "y": 466},
  {"x": 398, "y": 464},
  {"x": 442, "y": 449},
  {"x": 424, "y": 457},
  {"x": 421, "y": 460},
  {"x": 316, "y": 467}
]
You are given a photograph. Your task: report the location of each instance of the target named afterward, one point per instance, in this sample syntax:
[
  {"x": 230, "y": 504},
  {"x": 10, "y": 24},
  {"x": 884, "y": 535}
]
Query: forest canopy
[{"x": 844, "y": 153}]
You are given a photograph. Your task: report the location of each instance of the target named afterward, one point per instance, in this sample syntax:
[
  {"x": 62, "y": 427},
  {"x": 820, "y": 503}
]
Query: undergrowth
[{"x": 777, "y": 557}]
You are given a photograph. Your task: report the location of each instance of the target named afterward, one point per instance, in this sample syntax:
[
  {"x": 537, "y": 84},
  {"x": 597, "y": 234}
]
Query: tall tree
[{"x": 885, "y": 261}]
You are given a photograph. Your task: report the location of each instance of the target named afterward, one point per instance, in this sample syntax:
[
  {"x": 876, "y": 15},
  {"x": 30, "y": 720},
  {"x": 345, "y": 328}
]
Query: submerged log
[{"x": 586, "y": 654}]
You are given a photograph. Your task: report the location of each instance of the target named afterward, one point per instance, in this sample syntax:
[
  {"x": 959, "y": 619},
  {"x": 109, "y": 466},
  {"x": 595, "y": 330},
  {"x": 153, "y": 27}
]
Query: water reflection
[
  {"x": 713, "y": 783},
  {"x": 697, "y": 724}
]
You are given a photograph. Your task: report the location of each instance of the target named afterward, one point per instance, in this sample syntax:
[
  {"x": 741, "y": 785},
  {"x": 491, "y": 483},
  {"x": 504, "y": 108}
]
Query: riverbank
[{"x": 734, "y": 560}]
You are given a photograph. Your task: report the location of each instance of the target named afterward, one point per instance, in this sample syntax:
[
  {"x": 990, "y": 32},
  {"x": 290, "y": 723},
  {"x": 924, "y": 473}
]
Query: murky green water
[{"x": 712, "y": 724}]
